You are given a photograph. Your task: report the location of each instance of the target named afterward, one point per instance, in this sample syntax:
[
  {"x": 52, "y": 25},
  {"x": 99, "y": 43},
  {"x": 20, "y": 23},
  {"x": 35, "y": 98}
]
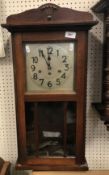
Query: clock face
[{"x": 50, "y": 66}]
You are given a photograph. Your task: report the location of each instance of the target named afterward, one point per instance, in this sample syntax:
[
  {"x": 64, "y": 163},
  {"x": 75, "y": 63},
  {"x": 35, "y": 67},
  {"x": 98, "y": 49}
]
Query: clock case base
[{"x": 73, "y": 167}]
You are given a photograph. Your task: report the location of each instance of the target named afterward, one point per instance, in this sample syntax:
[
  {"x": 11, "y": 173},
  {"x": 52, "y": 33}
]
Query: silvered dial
[{"x": 49, "y": 65}]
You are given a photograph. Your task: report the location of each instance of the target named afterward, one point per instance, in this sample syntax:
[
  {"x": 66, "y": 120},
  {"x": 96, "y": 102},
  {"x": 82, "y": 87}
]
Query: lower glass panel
[{"x": 51, "y": 129}]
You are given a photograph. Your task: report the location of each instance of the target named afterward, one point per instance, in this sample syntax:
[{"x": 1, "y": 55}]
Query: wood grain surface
[{"x": 71, "y": 173}]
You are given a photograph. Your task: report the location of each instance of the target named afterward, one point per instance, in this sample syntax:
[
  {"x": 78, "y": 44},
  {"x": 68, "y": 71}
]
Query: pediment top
[
  {"x": 50, "y": 16},
  {"x": 49, "y": 13}
]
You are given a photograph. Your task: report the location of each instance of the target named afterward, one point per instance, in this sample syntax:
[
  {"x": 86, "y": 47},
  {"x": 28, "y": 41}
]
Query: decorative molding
[{"x": 51, "y": 16}]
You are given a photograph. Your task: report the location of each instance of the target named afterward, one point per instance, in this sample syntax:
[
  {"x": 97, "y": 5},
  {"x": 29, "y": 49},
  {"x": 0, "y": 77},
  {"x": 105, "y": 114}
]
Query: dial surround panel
[{"x": 50, "y": 66}]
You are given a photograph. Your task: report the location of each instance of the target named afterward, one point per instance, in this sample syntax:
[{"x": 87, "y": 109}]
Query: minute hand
[{"x": 48, "y": 64}]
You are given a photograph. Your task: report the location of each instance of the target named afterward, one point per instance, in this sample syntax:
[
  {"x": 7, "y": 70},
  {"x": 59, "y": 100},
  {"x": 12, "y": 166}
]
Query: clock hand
[
  {"x": 49, "y": 59},
  {"x": 48, "y": 64}
]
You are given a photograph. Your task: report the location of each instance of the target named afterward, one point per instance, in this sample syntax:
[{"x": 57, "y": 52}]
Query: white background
[{"x": 97, "y": 137}]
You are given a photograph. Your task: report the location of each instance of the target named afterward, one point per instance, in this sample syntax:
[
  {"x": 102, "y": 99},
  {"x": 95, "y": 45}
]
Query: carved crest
[{"x": 49, "y": 10}]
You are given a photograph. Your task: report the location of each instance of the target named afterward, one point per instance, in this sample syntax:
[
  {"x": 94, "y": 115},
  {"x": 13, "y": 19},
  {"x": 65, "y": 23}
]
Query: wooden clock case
[
  {"x": 50, "y": 22},
  {"x": 4, "y": 167},
  {"x": 103, "y": 107}
]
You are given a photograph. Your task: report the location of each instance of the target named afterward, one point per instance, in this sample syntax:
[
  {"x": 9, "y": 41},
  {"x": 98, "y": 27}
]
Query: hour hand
[
  {"x": 49, "y": 66},
  {"x": 49, "y": 59}
]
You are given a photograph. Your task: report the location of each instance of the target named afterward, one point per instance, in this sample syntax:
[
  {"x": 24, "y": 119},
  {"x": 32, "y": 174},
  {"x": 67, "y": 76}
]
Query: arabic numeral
[
  {"x": 49, "y": 50},
  {"x": 58, "y": 82},
  {"x": 63, "y": 76},
  {"x": 42, "y": 81},
  {"x": 33, "y": 67},
  {"x": 35, "y": 76},
  {"x": 41, "y": 53},
  {"x": 49, "y": 84},
  {"x": 66, "y": 67},
  {"x": 64, "y": 59},
  {"x": 34, "y": 59},
  {"x": 57, "y": 52}
]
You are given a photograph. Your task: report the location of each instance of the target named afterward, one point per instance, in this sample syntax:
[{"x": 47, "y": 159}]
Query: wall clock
[
  {"x": 103, "y": 108},
  {"x": 50, "y": 63}
]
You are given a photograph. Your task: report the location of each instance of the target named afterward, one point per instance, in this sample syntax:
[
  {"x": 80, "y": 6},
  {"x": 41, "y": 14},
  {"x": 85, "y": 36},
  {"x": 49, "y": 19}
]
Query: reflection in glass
[{"x": 51, "y": 129}]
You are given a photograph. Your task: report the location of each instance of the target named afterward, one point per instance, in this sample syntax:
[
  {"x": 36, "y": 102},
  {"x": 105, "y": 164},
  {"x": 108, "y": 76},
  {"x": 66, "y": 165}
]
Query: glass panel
[
  {"x": 50, "y": 128},
  {"x": 50, "y": 66}
]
